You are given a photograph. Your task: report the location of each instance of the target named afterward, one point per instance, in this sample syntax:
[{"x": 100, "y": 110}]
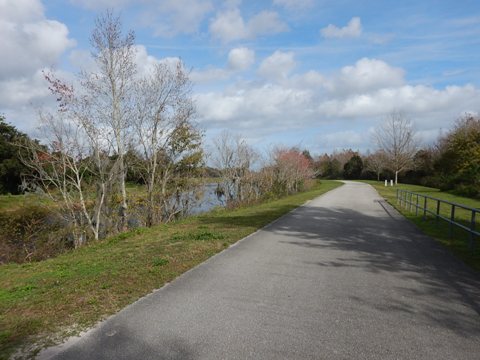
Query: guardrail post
[
  {"x": 425, "y": 208},
  {"x": 472, "y": 229},
  {"x": 416, "y": 207},
  {"x": 406, "y": 197},
  {"x": 438, "y": 210},
  {"x": 452, "y": 219}
]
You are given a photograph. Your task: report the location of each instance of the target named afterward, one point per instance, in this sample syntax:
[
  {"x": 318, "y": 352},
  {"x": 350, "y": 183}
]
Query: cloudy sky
[{"x": 319, "y": 74}]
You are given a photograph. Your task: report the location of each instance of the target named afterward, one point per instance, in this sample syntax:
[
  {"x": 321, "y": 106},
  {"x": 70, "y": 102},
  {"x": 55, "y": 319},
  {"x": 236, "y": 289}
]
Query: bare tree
[
  {"x": 83, "y": 159},
  {"x": 376, "y": 162},
  {"x": 83, "y": 165},
  {"x": 396, "y": 138},
  {"x": 234, "y": 158},
  {"x": 107, "y": 91},
  {"x": 165, "y": 133},
  {"x": 60, "y": 169}
]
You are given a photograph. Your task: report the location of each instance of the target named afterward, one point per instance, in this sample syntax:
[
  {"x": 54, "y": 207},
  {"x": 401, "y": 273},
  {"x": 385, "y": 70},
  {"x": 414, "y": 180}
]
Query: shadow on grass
[{"x": 424, "y": 279}]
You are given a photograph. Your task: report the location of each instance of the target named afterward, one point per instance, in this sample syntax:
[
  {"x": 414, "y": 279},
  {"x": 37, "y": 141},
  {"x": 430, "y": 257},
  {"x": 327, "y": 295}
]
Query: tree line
[
  {"x": 122, "y": 150},
  {"x": 451, "y": 163},
  {"x": 246, "y": 176}
]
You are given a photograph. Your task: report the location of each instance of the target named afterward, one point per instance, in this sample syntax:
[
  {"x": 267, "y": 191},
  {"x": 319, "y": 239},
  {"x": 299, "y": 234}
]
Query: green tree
[
  {"x": 11, "y": 166},
  {"x": 333, "y": 169},
  {"x": 353, "y": 168},
  {"x": 458, "y": 165}
]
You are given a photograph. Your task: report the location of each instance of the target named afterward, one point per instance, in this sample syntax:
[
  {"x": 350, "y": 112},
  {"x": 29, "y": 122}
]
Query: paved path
[{"x": 344, "y": 277}]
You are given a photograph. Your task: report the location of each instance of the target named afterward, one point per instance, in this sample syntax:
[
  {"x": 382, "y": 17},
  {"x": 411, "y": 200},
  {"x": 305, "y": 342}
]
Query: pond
[{"x": 209, "y": 200}]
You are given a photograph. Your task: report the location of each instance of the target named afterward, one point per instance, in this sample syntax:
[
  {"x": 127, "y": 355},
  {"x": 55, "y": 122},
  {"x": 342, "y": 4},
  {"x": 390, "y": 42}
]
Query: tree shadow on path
[{"x": 391, "y": 246}]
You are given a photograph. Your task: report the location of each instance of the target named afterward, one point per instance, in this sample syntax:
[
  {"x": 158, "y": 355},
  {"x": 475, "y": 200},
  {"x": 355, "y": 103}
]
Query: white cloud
[
  {"x": 172, "y": 17},
  {"x": 229, "y": 25},
  {"x": 428, "y": 136},
  {"x": 342, "y": 139},
  {"x": 21, "y": 97},
  {"x": 360, "y": 94},
  {"x": 367, "y": 74},
  {"x": 145, "y": 62},
  {"x": 21, "y": 10},
  {"x": 310, "y": 79},
  {"x": 258, "y": 107},
  {"x": 218, "y": 107},
  {"x": 294, "y": 4},
  {"x": 419, "y": 100},
  {"x": 167, "y": 17},
  {"x": 265, "y": 23},
  {"x": 277, "y": 66},
  {"x": 209, "y": 75},
  {"x": 241, "y": 58},
  {"x": 230, "y": 4},
  {"x": 29, "y": 41},
  {"x": 20, "y": 91},
  {"x": 101, "y": 4},
  {"x": 352, "y": 29},
  {"x": 82, "y": 60}
]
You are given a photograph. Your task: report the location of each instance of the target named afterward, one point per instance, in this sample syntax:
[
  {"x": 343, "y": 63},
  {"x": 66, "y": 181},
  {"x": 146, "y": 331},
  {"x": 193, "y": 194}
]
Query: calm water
[{"x": 208, "y": 201}]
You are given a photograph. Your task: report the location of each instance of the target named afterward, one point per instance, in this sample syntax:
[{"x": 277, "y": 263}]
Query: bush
[
  {"x": 467, "y": 190},
  {"x": 353, "y": 168},
  {"x": 458, "y": 163},
  {"x": 32, "y": 233}
]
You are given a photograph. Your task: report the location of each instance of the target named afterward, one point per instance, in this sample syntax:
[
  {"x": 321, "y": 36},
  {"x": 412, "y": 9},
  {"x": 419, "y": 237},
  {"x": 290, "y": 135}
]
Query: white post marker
[
  {"x": 391, "y": 182},
  {"x": 386, "y": 183}
]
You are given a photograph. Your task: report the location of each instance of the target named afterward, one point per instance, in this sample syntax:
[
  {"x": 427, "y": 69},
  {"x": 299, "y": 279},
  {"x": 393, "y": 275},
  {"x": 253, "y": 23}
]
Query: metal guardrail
[{"x": 419, "y": 202}]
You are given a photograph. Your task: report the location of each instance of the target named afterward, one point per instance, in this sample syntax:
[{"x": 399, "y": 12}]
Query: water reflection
[{"x": 208, "y": 201}]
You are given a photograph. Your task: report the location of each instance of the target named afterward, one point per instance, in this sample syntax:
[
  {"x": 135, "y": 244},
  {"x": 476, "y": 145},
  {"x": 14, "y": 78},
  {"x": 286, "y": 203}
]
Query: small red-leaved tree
[{"x": 293, "y": 169}]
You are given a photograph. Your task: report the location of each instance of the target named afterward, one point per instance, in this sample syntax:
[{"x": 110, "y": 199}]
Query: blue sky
[{"x": 317, "y": 74}]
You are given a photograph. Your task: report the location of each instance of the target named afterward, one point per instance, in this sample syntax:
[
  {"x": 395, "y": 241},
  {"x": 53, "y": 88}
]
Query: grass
[
  {"x": 15, "y": 202},
  {"x": 459, "y": 242},
  {"x": 43, "y": 302}
]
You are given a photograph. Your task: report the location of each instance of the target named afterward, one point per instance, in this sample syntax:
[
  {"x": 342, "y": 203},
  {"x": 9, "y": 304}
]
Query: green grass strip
[
  {"x": 458, "y": 244},
  {"x": 46, "y": 301}
]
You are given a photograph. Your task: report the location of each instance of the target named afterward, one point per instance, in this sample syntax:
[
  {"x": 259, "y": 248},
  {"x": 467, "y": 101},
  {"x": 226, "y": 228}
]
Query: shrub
[{"x": 32, "y": 233}]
